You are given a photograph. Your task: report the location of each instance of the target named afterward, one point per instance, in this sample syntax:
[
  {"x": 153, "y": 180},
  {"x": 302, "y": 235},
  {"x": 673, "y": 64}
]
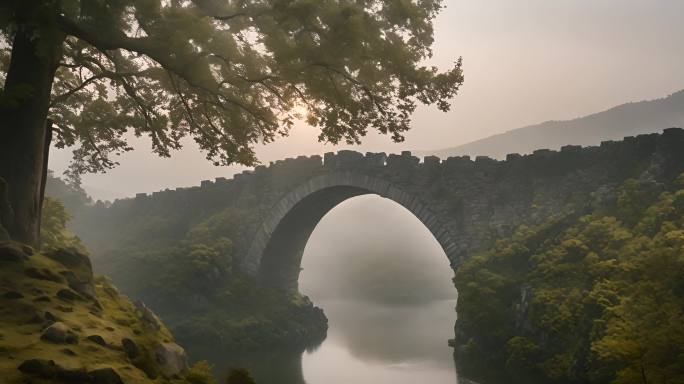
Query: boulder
[
  {"x": 49, "y": 317},
  {"x": 141, "y": 358},
  {"x": 85, "y": 289},
  {"x": 68, "y": 295},
  {"x": 43, "y": 274},
  {"x": 130, "y": 348},
  {"x": 39, "y": 367},
  {"x": 83, "y": 284},
  {"x": 59, "y": 333},
  {"x": 12, "y": 252},
  {"x": 97, "y": 339},
  {"x": 79, "y": 274},
  {"x": 48, "y": 369},
  {"x": 171, "y": 358},
  {"x": 104, "y": 376},
  {"x": 70, "y": 257},
  {"x": 149, "y": 318},
  {"x": 28, "y": 250}
]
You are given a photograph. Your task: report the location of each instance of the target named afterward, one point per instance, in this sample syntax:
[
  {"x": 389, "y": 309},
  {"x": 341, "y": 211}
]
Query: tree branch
[
  {"x": 357, "y": 83},
  {"x": 229, "y": 17},
  {"x": 64, "y": 96}
]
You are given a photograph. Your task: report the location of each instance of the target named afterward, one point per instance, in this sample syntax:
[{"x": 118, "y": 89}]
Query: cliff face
[{"x": 59, "y": 323}]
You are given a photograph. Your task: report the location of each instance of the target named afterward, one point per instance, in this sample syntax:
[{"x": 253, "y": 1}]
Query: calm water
[
  {"x": 385, "y": 284},
  {"x": 367, "y": 343}
]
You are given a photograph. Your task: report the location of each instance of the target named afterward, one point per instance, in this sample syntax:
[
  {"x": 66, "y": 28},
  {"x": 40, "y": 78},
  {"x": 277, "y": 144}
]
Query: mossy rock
[
  {"x": 12, "y": 252},
  {"x": 31, "y": 303}
]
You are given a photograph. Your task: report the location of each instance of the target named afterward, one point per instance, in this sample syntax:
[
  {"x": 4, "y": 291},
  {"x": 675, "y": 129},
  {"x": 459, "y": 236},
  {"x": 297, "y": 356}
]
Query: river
[
  {"x": 366, "y": 344},
  {"x": 385, "y": 284}
]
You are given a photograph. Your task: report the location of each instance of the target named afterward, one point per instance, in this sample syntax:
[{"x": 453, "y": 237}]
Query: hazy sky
[{"x": 525, "y": 62}]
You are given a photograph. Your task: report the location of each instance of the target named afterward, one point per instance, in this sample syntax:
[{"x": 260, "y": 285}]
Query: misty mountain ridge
[{"x": 628, "y": 119}]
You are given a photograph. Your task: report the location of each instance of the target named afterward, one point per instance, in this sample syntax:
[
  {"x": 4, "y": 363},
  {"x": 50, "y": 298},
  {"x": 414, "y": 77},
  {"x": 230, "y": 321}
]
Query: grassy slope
[{"x": 115, "y": 318}]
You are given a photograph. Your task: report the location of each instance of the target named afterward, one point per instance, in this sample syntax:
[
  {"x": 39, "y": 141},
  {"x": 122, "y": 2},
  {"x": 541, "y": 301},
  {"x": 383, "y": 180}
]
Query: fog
[
  {"x": 385, "y": 284},
  {"x": 372, "y": 249},
  {"x": 525, "y": 62}
]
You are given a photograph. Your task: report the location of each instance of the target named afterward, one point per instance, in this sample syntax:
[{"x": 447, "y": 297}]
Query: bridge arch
[{"x": 276, "y": 250}]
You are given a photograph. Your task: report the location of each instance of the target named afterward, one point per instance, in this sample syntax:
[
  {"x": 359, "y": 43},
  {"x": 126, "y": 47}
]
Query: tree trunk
[{"x": 24, "y": 132}]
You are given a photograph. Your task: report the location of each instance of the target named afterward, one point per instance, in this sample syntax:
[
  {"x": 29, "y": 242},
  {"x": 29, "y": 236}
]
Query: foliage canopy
[
  {"x": 229, "y": 74},
  {"x": 591, "y": 299}
]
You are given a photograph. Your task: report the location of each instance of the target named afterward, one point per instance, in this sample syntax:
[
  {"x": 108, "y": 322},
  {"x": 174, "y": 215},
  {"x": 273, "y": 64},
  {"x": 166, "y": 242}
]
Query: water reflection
[
  {"x": 271, "y": 366},
  {"x": 366, "y": 343},
  {"x": 385, "y": 284},
  {"x": 392, "y": 334}
]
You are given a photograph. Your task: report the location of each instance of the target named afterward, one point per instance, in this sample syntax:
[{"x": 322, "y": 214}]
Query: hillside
[
  {"x": 59, "y": 323},
  {"x": 593, "y": 297},
  {"x": 625, "y": 120}
]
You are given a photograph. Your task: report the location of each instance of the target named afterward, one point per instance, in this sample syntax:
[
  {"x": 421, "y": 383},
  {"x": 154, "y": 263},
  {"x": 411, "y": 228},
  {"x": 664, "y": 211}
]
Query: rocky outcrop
[
  {"x": 14, "y": 252},
  {"x": 73, "y": 259},
  {"x": 79, "y": 274},
  {"x": 52, "y": 306},
  {"x": 148, "y": 317},
  {"x": 59, "y": 333},
  {"x": 48, "y": 369},
  {"x": 171, "y": 358},
  {"x": 97, "y": 339}
]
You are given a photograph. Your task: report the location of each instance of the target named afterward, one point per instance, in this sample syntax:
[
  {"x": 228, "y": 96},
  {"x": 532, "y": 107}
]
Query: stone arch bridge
[{"x": 466, "y": 203}]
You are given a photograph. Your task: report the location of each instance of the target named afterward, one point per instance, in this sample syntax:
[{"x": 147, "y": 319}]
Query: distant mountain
[{"x": 625, "y": 120}]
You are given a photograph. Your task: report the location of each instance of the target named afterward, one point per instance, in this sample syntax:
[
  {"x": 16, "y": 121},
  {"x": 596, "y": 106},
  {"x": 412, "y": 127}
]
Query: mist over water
[
  {"x": 372, "y": 249},
  {"x": 371, "y": 344},
  {"x": 385, "y": 285}
]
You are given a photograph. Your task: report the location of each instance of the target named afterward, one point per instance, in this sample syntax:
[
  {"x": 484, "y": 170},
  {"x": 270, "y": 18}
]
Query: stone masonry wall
[{"x": 471, "y": 202}]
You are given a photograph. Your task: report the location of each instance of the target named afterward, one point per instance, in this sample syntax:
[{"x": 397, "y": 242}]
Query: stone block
[
  {"x": 431, "y": 160},
  {"x": 513, "y": 156}
]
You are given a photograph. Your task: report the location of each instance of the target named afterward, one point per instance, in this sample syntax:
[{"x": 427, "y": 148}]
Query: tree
[
  {"x": 239, "y": 376},
  {"x": 53, "y": 229},
  {"x": 227, "y": 73}
]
